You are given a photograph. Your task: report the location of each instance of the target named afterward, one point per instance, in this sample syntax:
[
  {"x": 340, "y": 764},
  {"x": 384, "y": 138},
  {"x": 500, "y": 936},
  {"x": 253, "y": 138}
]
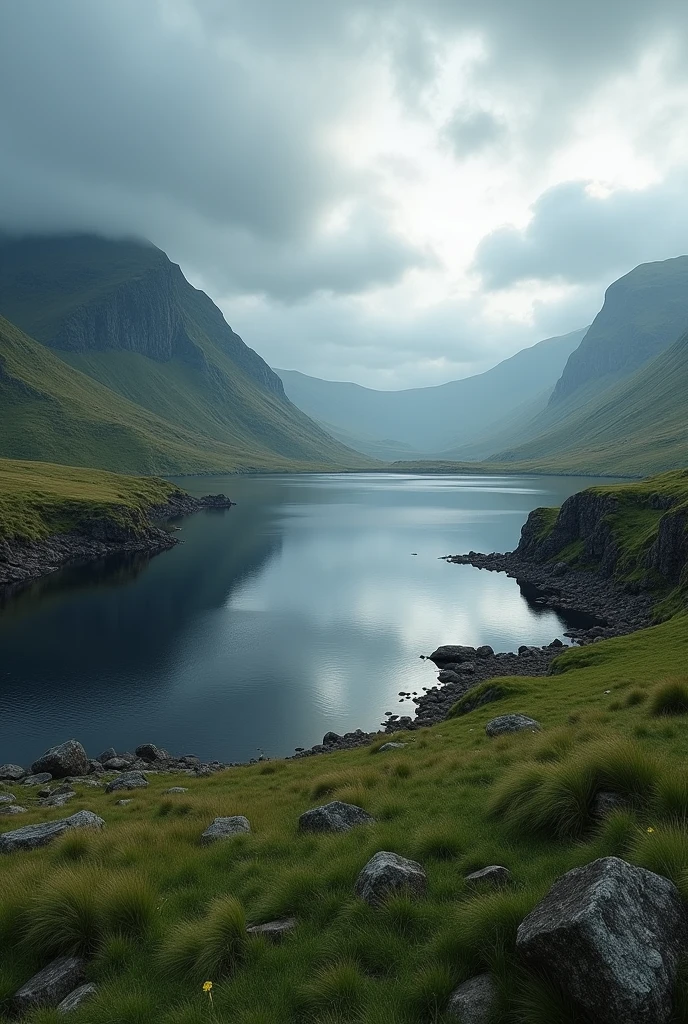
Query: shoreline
[{"x": 23, "y": 562}]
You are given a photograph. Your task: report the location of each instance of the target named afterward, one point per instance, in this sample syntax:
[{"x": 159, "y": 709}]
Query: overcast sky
[{"x": 396, "y": 192}]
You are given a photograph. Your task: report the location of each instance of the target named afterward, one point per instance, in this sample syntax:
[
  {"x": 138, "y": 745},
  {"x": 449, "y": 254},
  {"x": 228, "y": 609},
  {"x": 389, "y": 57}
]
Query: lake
[{"x": 303, "y": 609}]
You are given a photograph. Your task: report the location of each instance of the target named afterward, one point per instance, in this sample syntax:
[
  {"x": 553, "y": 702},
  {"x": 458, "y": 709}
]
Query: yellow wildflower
[{"x": 650, "y": 830}]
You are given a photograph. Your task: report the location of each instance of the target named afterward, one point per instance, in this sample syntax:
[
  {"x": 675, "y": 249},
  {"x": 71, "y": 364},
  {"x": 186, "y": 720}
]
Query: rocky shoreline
[{"x": 24, "y": 561}]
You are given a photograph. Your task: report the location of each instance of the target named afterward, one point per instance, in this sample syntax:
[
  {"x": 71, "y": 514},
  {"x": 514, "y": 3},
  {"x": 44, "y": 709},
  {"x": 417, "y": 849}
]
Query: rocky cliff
[{"x": 636, "y": 532}]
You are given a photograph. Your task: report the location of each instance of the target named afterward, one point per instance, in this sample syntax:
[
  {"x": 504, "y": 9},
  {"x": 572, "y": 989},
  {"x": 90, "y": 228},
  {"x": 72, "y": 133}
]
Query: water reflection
[{"x": 302, "y": 609}]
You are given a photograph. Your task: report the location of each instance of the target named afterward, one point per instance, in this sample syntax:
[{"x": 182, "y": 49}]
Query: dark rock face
[
  {"x": 30, "y": 837},
  {"x": 273, "y": 931},
  {"x": 386, "y": 874},
  {"x": 453, "y": 653},
  {"x": 511, "y": 723},
  {"x": 224, "y": 828},
  {"x": 334, "y": 817},
  {"x": 68, "y": 758},
  {"x": 50, "y": 986},
  {"x": 475, "y": 1001},
  {"x": 331, "y": 737},
  {"x": 611, "y": 935},
  {"x": 668, "y": 555},
  {"x": 128, "y": 780}
]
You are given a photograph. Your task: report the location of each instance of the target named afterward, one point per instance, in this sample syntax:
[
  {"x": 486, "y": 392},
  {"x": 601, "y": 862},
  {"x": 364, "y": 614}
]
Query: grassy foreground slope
[
  {"x": 38, "y": 499},
  {"x": 158, "y": 914}
]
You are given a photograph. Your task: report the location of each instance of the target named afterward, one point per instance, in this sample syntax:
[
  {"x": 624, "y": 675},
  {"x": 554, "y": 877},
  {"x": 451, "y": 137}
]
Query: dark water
[{"x": 303, "y": 609}]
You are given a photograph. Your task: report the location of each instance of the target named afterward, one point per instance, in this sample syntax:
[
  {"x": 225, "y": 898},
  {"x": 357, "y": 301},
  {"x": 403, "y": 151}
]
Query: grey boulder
[
  {"x": 149, "y": 752},
  {"x": 387, "y": 874},
  {"x": 74, "y": 1000},
  {"x": 334, "y": 817},
  {"x": 273, "y": 931},
  {"x": 452, "y": 653},
  {"x": 511, "y": 723},
  {"x": 611, "y": 936},
  {"x": 176, "y": 790},
  {"x": 37, "y": 780},
  {"x": 475, "y": 1001},
  {"x": 50, "y": 986},
  {"x": 128, "y": 780},
  {"x": 12, "y": 772},
  {"x": 116, "y": 764},
  {"x": 67, "y": 758},
  {"x": 386, "y": 747},
  {"x": 107, "y": 755},
  {"x": 12, "y": 809},
  {"x": 30, "y": 837},
  {"x": 7, "y": 798},
  {"x": 495, "y": 874},
  {"x": 224, "y": 828}
]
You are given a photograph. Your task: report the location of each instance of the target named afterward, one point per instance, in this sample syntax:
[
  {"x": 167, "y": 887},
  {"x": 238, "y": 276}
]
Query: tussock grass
[
  {"x": 159, "y": 914},
  {"x": 670, "y": 698}
]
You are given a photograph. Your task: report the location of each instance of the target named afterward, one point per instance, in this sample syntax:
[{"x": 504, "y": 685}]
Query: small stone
[
  {"x": 7, "y": 798},
  {"x": 77, "y": 997},
  {"x": 495, "y": 874},
  {"x": 175, "y": 790},
  {"x": 273, "y": 931},
  {"x": 68, "y": 758},
  {"x": 510, "y": 724},
  {"x": 149, "y": 752},
  {"x": 390, "y": 746},
  {"x": 475, "y": 1001},
  {"x": 334, "y": 817},
  {"x": 225, "y": 828},
  {"x": 128, "y": 780},
  {"x": 30, "y": 837},
  {"x": 37, "y": 780},
  {"x": 386, "y": 874},
  {"x": 124, "y": 802},
  {"x": 12, "y": 809},
  {"x": 50, "y": 986},
  {"x": 12, "y": 772},
  {"x": 116, "y": 764},
  {"x": 58, "y": 799},
  {"x": 611, "y": 936},
  {"x": 95, "y": 768},
  {"x": 107, "y": 755}
]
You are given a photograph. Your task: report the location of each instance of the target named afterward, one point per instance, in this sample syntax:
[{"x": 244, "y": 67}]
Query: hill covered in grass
[
  {"x": 38, "y": 499},
  {"x": 148, "y": 375},
  {"x": 157, "y": 914}
]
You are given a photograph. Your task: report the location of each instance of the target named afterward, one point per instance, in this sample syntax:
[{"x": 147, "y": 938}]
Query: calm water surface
[{"x": 303, "y": 609}]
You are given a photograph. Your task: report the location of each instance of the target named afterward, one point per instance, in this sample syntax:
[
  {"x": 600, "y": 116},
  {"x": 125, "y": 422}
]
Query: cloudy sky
[{"x": 396, "y": 192}]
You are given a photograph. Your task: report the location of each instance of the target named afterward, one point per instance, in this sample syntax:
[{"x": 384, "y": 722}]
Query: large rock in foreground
[
  {"x": 611, "y": 936},
  {"x": 506, "y": 724},
  {"x": 51, "y": 985},
  {"x": 127, "y": 780},
  {"x": 475, "y": 1001},
  {"x": 68, "y": 758},
  {"x": 30, "y": 837},
  {"x": 334, "y": 817},
  {"x": 225, "y": 828},
  {"x": 387, "y": 874}
]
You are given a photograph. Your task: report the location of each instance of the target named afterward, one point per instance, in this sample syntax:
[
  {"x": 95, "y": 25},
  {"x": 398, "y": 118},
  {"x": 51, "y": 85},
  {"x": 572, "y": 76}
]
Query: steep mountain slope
[
  {"x": 643, "y": 313},
  {"x": 636, "y": 427},
  {"x": 432, "y": 419},
  {"x": 124, "y": 315}
]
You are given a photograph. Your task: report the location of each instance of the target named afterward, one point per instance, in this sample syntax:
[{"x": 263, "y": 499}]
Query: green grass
[
  {"x": 159, "y": 914},
  {"x": 38, "y": 499},
  {"x": 208, "y": 405}
]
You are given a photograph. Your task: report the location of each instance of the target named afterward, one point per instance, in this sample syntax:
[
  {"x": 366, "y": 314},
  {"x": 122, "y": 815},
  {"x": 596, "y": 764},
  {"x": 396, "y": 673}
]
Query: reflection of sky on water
[{"x": 303, "y": 609}]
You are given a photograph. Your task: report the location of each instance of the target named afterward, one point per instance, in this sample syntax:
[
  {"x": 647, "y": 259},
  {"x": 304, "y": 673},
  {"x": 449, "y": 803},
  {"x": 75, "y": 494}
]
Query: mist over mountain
[{"x": 427, "y": 420}]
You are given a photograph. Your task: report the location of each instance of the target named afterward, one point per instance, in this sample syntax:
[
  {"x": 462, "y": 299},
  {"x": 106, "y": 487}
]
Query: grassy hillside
[
  {"x": 158, "y": 915},
  {"x": 637, "y": 427},
  {"x": 435, "y": 418},
  {"x": 643, "y": 313},
  {"x": 38, "y": 499},
  {"x": 196, "y": 398}
]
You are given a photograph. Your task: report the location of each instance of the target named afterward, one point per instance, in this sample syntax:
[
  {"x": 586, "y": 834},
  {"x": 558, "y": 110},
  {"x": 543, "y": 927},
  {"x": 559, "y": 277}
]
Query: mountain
[
  {"x": 435, "y": 418},
  {"x": 643, "y": 313},
  {"x": 638, "y": 426},
  {"x": 179, "y": 389}
]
